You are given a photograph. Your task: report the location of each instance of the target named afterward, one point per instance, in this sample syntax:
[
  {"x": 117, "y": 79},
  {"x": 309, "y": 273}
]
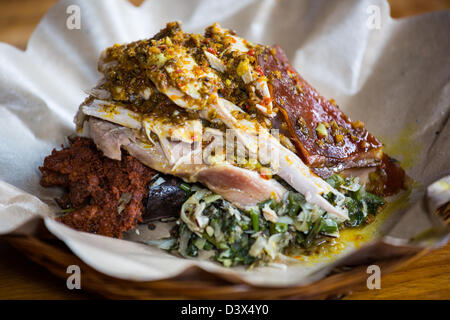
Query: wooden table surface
[{"x": 426, "y": 278}]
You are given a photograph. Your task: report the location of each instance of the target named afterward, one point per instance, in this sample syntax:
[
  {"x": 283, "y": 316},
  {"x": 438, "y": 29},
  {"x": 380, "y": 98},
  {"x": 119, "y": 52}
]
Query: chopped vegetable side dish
[{"x": 265, "y": 232}]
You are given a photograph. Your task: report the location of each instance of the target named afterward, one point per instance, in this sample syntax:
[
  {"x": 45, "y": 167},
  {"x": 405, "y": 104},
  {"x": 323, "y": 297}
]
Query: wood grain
[
  {"x": 21, "y": 278},
  {"x": 426, "y": 278}
]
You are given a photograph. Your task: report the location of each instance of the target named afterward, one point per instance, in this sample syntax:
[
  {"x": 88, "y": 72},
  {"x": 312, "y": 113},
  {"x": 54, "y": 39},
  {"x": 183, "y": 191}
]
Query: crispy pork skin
[{"x": 323, "y": 135}]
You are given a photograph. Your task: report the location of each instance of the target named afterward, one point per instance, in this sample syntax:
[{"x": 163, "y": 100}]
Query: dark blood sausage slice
[
  {"x": 322, "y": 134},
  {"x": 164, "y": 200}
]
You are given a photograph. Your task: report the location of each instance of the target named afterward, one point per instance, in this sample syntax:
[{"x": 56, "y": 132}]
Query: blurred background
[{"x": 18, "y": 18}]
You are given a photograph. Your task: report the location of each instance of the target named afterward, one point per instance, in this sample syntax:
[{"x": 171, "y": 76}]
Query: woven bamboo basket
[{"x": 44, "y": 249}]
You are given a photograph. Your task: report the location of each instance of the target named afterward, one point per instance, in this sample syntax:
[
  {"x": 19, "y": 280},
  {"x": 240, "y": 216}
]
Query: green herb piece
[
  {"x": 199, "y": 243},
  {"x": 208, "y": 246},
  {"x": 317, "y": 226},
  {"x": 278, "y": 227},
  {"x": 192, "y": 250},
  {"x": 294, "y": 200},
  {"x": 185, "y": 187},
  {"x": 272, "y": 204},
  {"x": 329, "y": 226},
  {"x": 374, "y": 202},
  {"x": 335, "y": 181},
  {"x": 255, "y": 220},
  {"x": 355, "y": 212},
  {"x": 300, "y": 237}
]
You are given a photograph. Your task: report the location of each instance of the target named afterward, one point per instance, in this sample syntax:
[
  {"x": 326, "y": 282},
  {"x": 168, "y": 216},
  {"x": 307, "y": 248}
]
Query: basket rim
[
  {"x": 55, "y": 256},
  {"x": 48, "y": 251}
]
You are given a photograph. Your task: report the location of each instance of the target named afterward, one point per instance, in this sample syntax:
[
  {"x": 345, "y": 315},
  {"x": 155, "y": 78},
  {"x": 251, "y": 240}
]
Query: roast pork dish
[{"x": 227, "y": 139}]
